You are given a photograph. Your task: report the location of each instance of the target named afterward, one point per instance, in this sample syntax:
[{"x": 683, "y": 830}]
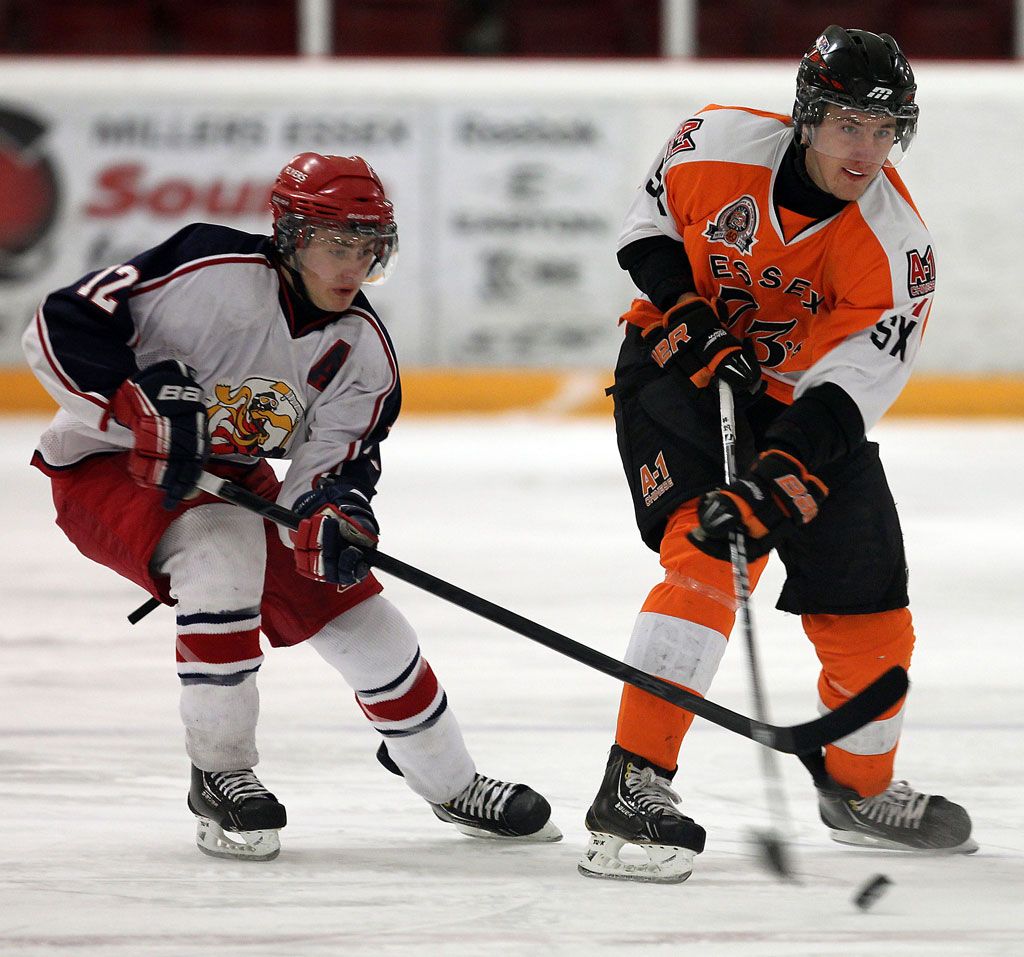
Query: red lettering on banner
[{"x": 124, "y": 189}]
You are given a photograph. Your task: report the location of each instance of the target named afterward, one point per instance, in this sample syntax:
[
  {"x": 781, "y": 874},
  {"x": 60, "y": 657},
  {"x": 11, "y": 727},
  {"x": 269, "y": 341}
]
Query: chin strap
[{"x": 298, "y": 284}]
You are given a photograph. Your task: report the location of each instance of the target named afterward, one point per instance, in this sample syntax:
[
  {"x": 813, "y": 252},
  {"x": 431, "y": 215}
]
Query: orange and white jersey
[{"x": 842, "y": 300}]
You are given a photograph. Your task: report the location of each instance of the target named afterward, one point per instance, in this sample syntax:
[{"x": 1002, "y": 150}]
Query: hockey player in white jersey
[{"x": 219, "y": 349}]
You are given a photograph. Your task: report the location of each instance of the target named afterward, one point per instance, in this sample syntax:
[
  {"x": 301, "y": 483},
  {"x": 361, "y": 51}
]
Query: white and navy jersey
[
  {"x": 281, "y": 378},
  {"x": 842, "y": 299}
]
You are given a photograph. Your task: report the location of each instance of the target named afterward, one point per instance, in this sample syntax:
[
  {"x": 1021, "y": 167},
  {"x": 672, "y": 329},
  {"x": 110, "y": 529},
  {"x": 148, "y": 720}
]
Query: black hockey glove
[
  {"x": 338, "y": 528},
  {"x": 691, "y": 338},
  {"x": 766, "y": 504},
  {"x": 163, "y": 406}
]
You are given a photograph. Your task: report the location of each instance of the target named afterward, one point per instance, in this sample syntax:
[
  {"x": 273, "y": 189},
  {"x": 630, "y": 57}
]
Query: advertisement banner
[
  {"x": 527, "y": 234},
  {"x": 93, "y": 185},
  {"x": 509, "y": 181}
]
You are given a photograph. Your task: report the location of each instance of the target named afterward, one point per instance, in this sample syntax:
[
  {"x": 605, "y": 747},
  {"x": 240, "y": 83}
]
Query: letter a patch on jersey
[
  {"x": 683, "y": 139},
  {"x": 735, "y": 225},
  {"x": 920, "y": 272}
]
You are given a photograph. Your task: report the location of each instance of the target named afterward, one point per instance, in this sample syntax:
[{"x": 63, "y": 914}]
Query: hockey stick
[
  {"x": 772, "y": 842},
  {"x": 795, "y": 739}
]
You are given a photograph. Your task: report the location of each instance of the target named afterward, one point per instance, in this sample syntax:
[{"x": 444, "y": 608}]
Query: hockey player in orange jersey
[{"x": 785, "y": 256}]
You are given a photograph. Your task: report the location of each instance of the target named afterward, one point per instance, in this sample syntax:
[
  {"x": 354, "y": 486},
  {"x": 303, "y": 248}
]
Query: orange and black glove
[
  {"x": 766, "y": 504},
  {"x": 691, "y": 338}
]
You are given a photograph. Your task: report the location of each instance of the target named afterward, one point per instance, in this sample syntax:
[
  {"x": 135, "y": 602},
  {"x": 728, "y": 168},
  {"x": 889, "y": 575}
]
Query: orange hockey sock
[
  {"x": 696, "y": 606},
  {"x": 854, "y": 650}
]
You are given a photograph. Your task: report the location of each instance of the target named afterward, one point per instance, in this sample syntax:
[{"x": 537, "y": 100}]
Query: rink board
[{"x": 581, "y": 392}]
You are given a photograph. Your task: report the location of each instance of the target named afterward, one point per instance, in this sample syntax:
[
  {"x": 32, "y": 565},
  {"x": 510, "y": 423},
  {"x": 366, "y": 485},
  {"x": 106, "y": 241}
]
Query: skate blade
[
  {"x": 665, "y": 863},
  {"x": 858, "y": 839},
  {"x": 252, "y": 846},
  {"x": 546, "y": 835}
]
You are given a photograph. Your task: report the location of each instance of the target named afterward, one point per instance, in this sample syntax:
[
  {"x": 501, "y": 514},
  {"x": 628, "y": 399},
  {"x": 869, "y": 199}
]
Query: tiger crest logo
[
  {"x": 735, "y": 225},
  {"x": 256, "y": 418}
]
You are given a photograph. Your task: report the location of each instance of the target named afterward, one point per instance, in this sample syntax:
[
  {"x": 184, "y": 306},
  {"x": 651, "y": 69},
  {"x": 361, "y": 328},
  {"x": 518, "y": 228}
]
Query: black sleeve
[
  {"x": 659, "y": 268},
  {"x": 363, "y": 471},
  {"x": 89, "y": 343},
  {"x": 822, "y": 425}
]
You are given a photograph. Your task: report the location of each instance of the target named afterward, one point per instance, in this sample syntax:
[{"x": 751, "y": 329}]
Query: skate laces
[
  {"x": 899, "y": 805},
  {"x": 238, "y": 786},
  {"x": 484, "y": 798},
  {"x": 648, "y": 791}
]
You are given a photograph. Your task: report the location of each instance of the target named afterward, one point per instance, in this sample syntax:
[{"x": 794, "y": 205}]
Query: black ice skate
[
  {"x": 492, "y": 809},
  {"x": 235, "y": 801},
  {"x": 635, "y": 805},
  {"x": 899, "y": 818},
  {"x": 496, "y": 809}
]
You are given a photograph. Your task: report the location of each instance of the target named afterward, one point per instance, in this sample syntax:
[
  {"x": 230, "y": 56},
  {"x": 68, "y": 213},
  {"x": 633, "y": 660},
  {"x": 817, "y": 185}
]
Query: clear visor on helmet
[
  {"x": 864, "y": 138},
  {"x": 364, "y": 252}
]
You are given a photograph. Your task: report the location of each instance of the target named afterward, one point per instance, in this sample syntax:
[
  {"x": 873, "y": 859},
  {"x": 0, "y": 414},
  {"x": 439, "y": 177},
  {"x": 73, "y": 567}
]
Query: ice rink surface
[{"x": 97, "y": 854}]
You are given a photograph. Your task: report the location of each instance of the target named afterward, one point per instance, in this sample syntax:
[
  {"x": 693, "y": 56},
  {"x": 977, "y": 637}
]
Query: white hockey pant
[{"x": 215, "y": 556}]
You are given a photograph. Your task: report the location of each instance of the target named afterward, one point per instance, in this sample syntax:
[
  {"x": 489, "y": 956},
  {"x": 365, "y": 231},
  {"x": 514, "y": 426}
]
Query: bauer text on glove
[
  {"x": 770, "y": 501},
  {"x": 692, "y": 339},
  {"x": 338, "y": 527},
  {"x": 163, "y": 406}
]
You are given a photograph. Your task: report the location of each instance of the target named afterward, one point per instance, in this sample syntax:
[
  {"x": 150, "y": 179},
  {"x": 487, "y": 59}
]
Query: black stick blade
[{"x": 876, "y": 698}]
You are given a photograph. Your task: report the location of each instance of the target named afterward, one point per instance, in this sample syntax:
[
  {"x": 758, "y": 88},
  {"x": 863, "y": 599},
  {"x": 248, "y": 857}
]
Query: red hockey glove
[
  {"x": 691, "y": 337},
  {"x": 163, "y": 407},
  {"x": 338, "y": 527},
  {"x": 769, "y": 502}
]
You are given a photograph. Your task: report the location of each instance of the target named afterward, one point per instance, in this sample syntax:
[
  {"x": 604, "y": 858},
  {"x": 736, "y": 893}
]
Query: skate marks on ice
[
  {"x": 97, "y": 855},
  {"x": 430, "y": 895}
]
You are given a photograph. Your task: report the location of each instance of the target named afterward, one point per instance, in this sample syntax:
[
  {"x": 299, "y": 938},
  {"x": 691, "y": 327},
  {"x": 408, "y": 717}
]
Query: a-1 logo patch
[
  {"x": 654, "y": 481},
  {"x": 920, "y": 272}
]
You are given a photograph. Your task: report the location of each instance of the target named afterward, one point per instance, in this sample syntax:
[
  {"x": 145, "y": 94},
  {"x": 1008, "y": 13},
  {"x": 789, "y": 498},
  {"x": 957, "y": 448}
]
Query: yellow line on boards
[{"x": 581, "y": 392}]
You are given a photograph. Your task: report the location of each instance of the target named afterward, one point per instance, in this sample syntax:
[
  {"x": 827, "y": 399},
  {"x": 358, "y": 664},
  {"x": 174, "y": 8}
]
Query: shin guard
[
  {"x": 853, "y": 651},
  {"x": 680, "y": 635}
]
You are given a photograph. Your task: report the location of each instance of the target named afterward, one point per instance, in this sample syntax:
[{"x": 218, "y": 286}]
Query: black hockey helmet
[{"x": 857, "y": 70}]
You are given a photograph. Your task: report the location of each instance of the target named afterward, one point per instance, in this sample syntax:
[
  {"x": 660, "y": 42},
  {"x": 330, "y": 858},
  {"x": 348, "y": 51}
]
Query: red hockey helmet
[{"x": 343, "y": 194}]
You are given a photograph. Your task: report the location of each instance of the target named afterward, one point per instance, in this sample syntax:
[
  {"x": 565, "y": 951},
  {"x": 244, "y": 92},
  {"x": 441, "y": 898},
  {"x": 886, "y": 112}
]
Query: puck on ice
[{"x": 871, "y": 890}]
